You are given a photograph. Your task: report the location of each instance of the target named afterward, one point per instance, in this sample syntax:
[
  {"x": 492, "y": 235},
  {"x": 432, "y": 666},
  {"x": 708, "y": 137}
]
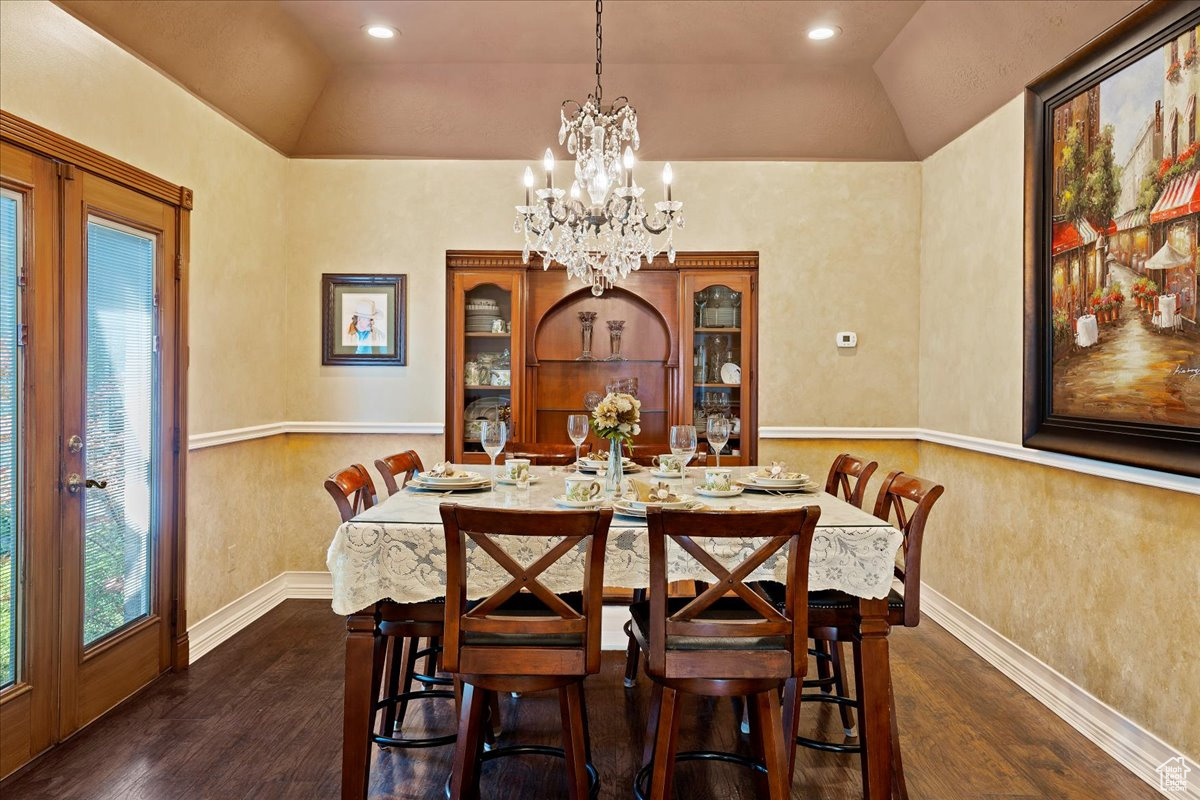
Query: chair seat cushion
[
  {"x": 726, "y": 608},
  {"x": 830, "y": 607},
  {"x": 524, "y": 604}
]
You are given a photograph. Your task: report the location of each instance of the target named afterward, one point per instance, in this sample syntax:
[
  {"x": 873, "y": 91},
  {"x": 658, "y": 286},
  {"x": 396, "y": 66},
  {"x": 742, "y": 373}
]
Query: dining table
[{"x": 394, "y": 553}]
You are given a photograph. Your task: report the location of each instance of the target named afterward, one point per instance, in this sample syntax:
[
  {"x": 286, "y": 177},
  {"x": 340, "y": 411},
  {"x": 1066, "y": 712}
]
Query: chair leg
[
  {"x": 665, "y": 739},
  {"x": 652, "y": 723},
  {"x": 767, "y": 731},
  {"x": 434, "y": 660},
  {"x": 574, "y": 736},
  {"x": 403, "y": 667},
  {"x": 495, "y": 728},
  {"x": 824, "y": 668},
  {"x": 587, "y": 730},
  {"x": 464, "y": 775},
  {"x": 837, "y": 651},
  {"x": 792, "y": 690},
  {"x": 899, "y": 787},
  {"x": 633, "y": 653}
]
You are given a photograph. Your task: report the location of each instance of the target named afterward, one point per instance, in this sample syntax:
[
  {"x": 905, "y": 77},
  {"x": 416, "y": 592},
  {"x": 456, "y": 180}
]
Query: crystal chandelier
[{"x": 601, "y": 229}]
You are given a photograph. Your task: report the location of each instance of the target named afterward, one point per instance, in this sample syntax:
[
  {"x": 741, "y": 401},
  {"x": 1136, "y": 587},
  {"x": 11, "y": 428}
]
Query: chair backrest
[
  {"x": 352, "y": 490},
  {"x": 899, "y": 489},
  {"x": 480, "y": 526},
  {"x": 847, "y": 468},
  {"x": 406, "y": 464},
  {"x": 542, "y": 454},
  {"x": 792, "y": 528}
]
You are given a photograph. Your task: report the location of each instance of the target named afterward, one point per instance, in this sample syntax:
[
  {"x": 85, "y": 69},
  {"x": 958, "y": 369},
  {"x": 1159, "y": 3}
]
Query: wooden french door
[{"x": 90, "y": 396}]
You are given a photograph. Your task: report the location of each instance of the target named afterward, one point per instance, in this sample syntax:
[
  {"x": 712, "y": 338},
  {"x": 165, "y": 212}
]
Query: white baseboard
[
  {"x": 1131, "y": 745},
  {"x": 223, "y": 623}
]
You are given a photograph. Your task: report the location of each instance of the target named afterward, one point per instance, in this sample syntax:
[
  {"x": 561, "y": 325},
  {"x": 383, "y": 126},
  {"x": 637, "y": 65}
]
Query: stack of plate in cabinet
[
  {"x": 481, "y": 314},
  {"x": 720, "y": 317}
]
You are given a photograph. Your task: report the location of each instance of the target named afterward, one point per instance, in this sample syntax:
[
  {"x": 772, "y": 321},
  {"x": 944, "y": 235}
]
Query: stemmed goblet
[
  {"x": 493, "y": 435},
  {"x": 718, "y": 435},
  {"x": 577, "y": 429}
]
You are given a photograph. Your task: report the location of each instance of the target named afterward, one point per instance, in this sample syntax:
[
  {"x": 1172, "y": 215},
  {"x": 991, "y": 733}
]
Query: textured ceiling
[{"x": 711, "y": 80}]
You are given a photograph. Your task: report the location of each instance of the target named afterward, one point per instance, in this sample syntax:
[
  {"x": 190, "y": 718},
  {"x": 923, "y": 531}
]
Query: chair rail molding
[
  {"x": 1087, "y": 466},
  {"x": 199, "y": 441}
]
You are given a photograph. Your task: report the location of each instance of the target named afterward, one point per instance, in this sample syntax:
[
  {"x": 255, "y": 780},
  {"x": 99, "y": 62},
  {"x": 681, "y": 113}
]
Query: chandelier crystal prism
[{"x": 602, "y": 228}]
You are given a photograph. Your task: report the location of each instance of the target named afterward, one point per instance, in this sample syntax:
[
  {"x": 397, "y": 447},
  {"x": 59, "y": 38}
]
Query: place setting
[
  {"x": 639, "y": 496},
  {"x": 444, "y": 477},
  {"x": 777, "y": 479}
]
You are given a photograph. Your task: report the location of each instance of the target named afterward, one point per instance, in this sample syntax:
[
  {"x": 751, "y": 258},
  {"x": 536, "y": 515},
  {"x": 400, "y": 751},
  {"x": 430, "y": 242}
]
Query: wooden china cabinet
[{"x": 515, "y": 347}]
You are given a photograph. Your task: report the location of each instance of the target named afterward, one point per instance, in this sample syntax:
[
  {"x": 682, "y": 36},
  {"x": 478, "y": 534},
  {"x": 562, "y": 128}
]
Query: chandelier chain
[{"x": 599, "y": 47}]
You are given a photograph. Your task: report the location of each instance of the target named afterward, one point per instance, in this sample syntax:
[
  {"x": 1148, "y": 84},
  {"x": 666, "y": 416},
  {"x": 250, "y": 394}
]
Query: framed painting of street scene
[{"x": 1112, "y": 194}]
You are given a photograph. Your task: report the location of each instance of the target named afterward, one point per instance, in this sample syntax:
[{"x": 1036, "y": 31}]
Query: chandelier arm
[{"x": 651, "y": 228}]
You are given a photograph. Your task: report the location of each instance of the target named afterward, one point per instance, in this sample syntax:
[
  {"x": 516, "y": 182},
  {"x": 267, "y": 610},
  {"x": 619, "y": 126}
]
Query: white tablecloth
[
  {"x": 397, "y": 549},
  {"x": 1166, "y": 311},
  {"x": 1087, "y": 333}
]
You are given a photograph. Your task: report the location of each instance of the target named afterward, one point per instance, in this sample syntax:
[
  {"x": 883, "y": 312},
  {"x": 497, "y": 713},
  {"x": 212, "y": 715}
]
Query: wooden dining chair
[
  {"x": 725, "y": 646},
  {"x": 543, "y": 454},
  {"x": 904, "y": 501},
  {"x": 402, "y": 626},
  {"x": 400, "y": 465},
  {"x": 523, "y": 637},
  {"x": 847, "y": 468},
  {"x": 848, "y": 479}
]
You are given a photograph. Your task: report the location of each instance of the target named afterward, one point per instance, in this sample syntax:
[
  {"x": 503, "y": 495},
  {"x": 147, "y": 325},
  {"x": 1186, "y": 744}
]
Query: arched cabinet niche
[{"x": 661, "y": 343}]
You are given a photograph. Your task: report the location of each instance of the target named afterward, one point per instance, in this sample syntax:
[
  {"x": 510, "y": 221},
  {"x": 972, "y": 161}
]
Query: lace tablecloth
[{"x": 397, "y": 549}]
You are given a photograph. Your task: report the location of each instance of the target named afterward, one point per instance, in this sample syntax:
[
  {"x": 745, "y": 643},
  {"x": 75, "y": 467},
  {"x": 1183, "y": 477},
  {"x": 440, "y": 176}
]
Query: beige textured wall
[
  {"x": 838, "y": 244},
  {"x": 59, "y": 73},
  {"x": 1088, "y": 574},
  {"x": 971, "y": 280}
]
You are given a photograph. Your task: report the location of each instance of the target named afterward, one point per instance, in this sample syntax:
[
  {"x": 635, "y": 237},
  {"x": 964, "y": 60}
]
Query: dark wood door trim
[{"x": 42, "y": 141}]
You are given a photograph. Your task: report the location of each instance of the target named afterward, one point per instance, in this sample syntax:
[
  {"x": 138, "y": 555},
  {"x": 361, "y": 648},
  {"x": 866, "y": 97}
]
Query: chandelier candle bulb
[
  {"x": 548, "y": 164},
  {"x": 627, "y": 160},
  {"x": 528, "y": 183},
  {"x": 667, "y": 178}
]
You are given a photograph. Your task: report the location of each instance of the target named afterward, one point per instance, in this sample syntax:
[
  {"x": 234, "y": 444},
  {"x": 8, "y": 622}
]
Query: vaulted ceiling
[{"x": 711, "y": 80}]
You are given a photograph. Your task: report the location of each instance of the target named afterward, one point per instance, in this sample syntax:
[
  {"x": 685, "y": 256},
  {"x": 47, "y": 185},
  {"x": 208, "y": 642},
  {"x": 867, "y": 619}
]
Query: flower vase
[{"x": 615, "y": 474}]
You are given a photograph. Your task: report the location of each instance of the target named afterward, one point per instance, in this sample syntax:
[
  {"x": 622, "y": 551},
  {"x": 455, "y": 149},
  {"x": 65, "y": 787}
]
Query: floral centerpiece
[{"x": 617, "y": 418}]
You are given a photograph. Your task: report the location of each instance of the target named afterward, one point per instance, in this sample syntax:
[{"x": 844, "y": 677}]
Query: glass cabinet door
[
  {"x": 487, "y": 369},
  {"x": 718, "y": 355}
]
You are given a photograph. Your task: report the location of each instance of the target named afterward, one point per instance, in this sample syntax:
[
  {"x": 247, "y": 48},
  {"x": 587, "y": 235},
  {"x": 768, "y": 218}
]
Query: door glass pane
[
  {"x": 487, "y": 373},
  {"x": 717, "y": 379},
  {"x": 119, "y": 435},
  {"x": 10, "y": 427}
]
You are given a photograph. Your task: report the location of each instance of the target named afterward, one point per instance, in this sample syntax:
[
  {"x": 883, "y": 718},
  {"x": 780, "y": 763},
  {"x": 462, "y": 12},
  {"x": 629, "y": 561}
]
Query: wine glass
[
  {"x": 718, "y": 435},
  {"x": 492, "y": 435},
  {"x": 577, "y": 429},
  {"x": 683, "y": 444}
]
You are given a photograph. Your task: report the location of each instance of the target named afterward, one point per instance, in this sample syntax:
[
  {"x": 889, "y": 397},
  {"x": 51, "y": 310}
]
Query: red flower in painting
[
  {"x": 1173, "y": 71},
  {"x": 1166, "y": 164},
  {"x": 1191, "y": 151}
]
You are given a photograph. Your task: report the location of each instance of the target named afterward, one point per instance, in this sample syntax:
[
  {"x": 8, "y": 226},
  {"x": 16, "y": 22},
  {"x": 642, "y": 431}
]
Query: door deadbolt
[{"x": 75, "y": 444}]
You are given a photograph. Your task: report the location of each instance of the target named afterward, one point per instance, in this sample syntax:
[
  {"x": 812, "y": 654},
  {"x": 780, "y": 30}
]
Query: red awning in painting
[
  {"x": 1182, "y": 196},
  {"x": 1069, "y": 235}
]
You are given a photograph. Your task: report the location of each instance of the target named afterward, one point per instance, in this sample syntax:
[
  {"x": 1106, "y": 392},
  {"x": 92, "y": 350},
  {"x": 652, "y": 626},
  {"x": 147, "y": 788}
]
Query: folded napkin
[
  {"x": 443, "y": 469},
  {"x": 644, "y": 492},
  {"x": 777, "y": 470}
]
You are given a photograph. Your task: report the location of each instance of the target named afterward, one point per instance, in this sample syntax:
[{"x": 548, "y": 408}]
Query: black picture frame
[
  {"x": 341, "y": 295},
  {"x": 1170, "y": 448}
]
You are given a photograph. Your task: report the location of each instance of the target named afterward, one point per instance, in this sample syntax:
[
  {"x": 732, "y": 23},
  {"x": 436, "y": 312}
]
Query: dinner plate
[
  {"x": 719, "y": 493},
  {"x": 807, "y": 488},
  {"x": 593, "y": 466},
  {"x": 625, "y": 510},
  {"x": 799, "y": 480},
  {"x": 683, "y": 501},
  {"x": 513, "y": 481},
  {"x": 731, "y": 373},
  {"x": 453, "y": 480},
  {"x": 565, "y": 503},
  {"x": 421, "y": 486}
]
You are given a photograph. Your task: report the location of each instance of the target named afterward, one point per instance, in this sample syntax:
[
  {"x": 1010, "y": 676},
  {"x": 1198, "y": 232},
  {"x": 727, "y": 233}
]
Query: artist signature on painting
[{"x": 1191, "y": 372}]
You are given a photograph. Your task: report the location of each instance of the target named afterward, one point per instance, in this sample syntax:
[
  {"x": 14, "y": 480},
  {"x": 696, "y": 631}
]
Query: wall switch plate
[{"x": 847, "y": 339}]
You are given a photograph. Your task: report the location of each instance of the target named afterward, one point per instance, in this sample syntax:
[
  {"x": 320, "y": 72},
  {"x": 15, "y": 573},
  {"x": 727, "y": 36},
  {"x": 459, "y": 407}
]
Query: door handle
[{"x": 75, "y": 482}]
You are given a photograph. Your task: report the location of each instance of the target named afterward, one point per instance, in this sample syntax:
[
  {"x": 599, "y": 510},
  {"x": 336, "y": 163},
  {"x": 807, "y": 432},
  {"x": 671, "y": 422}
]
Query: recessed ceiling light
[
  {"x": 822, "y": 32},
  {"x": 380, "y": 31}
]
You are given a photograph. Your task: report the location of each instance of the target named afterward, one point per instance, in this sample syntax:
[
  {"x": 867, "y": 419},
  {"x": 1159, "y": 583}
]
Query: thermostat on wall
[{"x": 847, "y": 339}]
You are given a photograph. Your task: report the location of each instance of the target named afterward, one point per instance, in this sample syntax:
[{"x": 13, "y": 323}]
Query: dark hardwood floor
[{"x": 260, "y": 717}]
